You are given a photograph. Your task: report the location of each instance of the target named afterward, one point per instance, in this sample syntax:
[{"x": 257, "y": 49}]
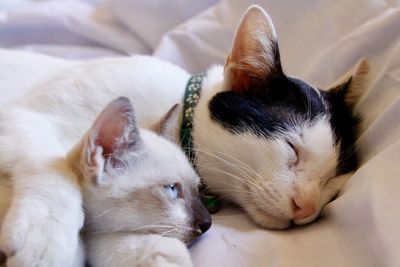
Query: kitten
[
  {"x": 137, "y": 189},
  {"x": 139, "y": 192},
  {"x": 271, "y": 143}
]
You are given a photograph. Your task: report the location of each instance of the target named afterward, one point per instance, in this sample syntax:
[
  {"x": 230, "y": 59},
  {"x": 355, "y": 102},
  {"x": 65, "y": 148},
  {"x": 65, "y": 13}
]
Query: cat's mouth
[
  {"x": 288, "y": 221},
  {"x": 308, "y": 219},
  {"x": 265, "y": 218},
  {"x": 193, "y": 236}
]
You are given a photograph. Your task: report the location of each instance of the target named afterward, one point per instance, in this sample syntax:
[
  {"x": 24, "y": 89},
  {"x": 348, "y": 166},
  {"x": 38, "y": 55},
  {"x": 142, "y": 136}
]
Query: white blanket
[{"x": 319, "y": 41}]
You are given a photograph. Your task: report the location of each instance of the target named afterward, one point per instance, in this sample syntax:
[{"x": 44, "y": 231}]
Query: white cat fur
[
  {"x": 40, "y": 128},
  {"x": 77, "y": 90}
]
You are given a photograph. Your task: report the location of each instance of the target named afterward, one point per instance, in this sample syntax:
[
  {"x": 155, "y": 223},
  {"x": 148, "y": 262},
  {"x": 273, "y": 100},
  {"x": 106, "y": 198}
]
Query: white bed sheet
[{"x": 319, "y": 41}]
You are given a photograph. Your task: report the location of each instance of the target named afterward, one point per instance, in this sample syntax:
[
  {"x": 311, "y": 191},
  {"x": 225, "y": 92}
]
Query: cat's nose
[
  {"x": 202, "y": 218},
  {"x": 204, "y": 225},
  {"x": 302, "y": 208}
]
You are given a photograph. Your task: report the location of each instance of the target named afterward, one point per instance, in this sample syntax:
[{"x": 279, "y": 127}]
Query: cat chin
[
  {"x": 265, "y": 219},
  {"x": 191, "y": 239},
  {"x": 308, "y": 219},
  {"x": 269, "y": 221}
]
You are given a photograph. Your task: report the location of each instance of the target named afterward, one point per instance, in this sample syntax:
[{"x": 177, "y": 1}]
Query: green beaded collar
[{"x": 191, "y": 97}]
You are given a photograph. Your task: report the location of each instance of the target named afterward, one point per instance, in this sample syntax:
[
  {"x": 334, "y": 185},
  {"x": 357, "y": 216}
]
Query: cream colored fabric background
[{"x": 319, "y": 41}]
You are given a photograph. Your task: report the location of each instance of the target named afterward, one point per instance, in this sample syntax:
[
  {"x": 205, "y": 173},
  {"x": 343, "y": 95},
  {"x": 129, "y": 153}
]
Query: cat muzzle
[
  {"x": 201, "y": 219},
  {"x": 302, "y": 209}
]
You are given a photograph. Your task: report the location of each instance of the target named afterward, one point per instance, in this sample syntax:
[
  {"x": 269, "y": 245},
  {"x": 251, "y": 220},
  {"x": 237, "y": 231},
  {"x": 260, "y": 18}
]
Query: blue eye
[{"x": 173, "y": 190}]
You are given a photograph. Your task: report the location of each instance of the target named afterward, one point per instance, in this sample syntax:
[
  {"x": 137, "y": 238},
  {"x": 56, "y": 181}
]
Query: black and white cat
[{"x": 273, "y": 144}]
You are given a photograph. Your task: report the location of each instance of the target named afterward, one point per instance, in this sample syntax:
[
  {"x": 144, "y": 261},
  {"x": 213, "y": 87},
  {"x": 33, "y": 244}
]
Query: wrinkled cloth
[{"x": 319, "y": 40}]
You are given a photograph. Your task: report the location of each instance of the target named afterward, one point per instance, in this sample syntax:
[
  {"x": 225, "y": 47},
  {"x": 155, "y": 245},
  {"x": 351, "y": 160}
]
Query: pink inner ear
[
  {"x": 240, "y": 80},
  {"x": 109, "y": 135},
  {"x": 115, "y": 127},
  {"x": 253, "y": 53}
]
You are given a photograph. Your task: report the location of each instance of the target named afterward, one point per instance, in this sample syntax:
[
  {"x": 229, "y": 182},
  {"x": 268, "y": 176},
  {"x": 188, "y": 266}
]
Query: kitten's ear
[
  {"x": 166, "y": 126},
  {"x": 113, "y": 134},
  {"x": 254, "y": 57},
  {"x": 354, "y": 87}
]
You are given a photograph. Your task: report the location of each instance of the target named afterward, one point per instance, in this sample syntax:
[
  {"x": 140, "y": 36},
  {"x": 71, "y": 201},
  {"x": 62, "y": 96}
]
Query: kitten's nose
[
  {"x": 302, "y": 208},
  {"x": 204, "y": 224},
  {"x": 202, "y": 218}
]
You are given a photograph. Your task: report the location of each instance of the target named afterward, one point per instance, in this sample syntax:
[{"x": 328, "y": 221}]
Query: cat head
[
  {"x": 270, "y": 142},
  {"x": 134, "y": 180}
]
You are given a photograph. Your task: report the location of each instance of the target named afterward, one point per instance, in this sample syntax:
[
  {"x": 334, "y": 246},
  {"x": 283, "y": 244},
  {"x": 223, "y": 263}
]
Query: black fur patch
[
  {"x": 282, "y": 104},
  {"x": 344, "y": 125},
  {"x": 3, "y": 257}
]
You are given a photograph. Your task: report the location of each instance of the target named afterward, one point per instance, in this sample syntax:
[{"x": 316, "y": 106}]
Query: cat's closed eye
[
  {"x": 174, "y": 190},
  {"x": 293, "y": 159}
]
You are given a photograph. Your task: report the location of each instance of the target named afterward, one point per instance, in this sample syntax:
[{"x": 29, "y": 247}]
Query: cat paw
[
  {"x": 169, "y": 252},
  {"x": 28, "y": 238}
]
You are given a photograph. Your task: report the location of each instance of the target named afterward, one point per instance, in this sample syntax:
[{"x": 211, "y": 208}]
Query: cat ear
[
  {"x": 166, "y": 126},
  {"x": 113, "y": 134},
  {"x": 254, "y": 57},
  {"x": 358, "y": 82},
  {"x": 352, "y": 90}
]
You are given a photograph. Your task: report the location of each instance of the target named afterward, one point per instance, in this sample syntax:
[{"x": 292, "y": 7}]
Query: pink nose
[{"x": 302, "y": 208}]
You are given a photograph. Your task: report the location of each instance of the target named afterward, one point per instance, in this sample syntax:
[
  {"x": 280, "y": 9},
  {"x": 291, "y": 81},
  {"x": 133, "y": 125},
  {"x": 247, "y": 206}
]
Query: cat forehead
[
  {"x": 284, "y": 106},
  {"x": 269, "y": 109},
  {"x": 162, "y": 162},
  {"x": 144, "y": 175}
]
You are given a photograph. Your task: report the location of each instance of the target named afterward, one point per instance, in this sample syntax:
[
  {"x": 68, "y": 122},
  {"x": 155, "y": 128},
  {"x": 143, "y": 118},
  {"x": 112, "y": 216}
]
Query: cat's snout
[
  {"x": 302, "y": 208},
  {"x": 202, "y": 219},
  {"x": 204, "y": 224}
]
